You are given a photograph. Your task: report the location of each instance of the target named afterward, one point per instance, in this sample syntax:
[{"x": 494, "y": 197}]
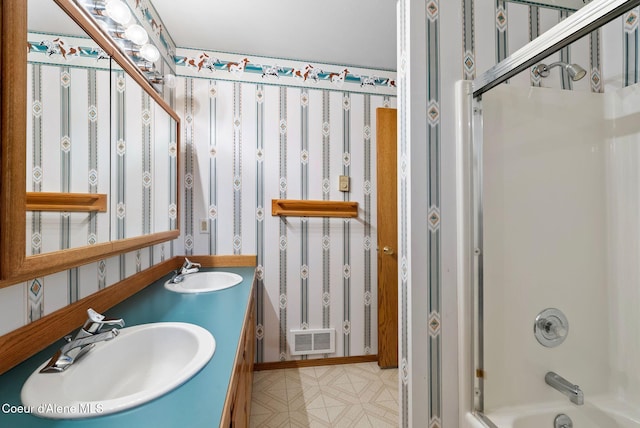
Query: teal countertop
[{"x": 196, "y": 403}]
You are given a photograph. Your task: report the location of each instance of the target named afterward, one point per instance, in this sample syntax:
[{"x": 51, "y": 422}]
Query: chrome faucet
[
  {"x": 572, "y": 391},
  {"x": 187, "y": 267},
  {"x": 84, "y": 340}
]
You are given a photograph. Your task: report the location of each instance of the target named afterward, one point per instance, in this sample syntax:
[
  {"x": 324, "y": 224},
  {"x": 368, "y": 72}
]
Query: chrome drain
[{"x": 562, "y": 421}]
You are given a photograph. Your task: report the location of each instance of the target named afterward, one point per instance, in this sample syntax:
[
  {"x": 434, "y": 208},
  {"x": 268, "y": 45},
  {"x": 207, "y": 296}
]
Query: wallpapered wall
[{"x": 247, "y": 143}]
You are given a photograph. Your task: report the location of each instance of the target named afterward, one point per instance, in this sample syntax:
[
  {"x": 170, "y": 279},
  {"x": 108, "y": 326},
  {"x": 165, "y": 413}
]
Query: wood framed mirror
[{"x": 16, "y": 262}]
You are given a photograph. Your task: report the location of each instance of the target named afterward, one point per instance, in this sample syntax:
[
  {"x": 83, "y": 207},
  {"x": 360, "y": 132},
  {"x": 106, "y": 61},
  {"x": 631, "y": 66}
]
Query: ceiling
[{"x": 345, "y": 32}]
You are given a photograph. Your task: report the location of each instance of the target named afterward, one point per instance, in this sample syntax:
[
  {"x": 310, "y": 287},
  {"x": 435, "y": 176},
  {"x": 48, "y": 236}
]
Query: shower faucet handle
[{"x": 551, "y": 327}]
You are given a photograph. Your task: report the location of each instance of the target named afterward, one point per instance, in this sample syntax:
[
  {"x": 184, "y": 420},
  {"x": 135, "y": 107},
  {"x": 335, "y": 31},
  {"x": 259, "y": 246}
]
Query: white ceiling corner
[{"x": 344, "y": 32}]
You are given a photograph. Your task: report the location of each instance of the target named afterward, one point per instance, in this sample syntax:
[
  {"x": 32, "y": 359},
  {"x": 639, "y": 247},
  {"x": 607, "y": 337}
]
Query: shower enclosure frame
[{"x": 469, "y": 188}]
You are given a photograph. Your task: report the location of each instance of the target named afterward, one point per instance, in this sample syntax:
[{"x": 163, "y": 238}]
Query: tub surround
[
  {"x": 533, "y": 261},
  {"x": 198, "y": 402},
  {"x": 587, "y": 249}
]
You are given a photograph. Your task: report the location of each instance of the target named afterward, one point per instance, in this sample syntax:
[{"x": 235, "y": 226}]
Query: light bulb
[
  {"x": 136, "y": 34},
  {"x": 118, "y": 11},
  {"x": 169, "y": 81},
  {"x": 150, "y": 53}
]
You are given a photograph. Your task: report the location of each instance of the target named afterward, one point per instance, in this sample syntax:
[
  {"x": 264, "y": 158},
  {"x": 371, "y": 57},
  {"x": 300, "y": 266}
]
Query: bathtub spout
[{"x": 572, "y": 391}]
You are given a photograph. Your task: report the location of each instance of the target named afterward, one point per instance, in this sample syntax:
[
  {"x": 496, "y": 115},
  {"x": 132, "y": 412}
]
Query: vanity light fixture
[
  {"x": 136, "y": 34},
  {"x": 147, "y": 68},
  {"x": 168, "y": 80},
  {"x": 128, "y": 38},
  {"x": 117, "y": 21},
  {"x": 144, "y": 57},
  {"x": 118, "y": 11},
  {"x": 149, "y": 52}
]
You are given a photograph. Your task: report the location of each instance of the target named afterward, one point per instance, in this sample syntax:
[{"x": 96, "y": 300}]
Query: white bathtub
[{"x": 598, "y": 413}]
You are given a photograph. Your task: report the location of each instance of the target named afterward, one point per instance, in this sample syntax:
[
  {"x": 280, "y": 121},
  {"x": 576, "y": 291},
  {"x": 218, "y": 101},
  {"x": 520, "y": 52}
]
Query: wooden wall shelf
[
  {"x": 306, "y": 208},
  {"x": 76, "y": 202}
]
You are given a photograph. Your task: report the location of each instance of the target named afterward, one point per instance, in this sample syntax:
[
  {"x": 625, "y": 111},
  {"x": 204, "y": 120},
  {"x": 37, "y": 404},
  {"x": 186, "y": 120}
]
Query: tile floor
[{"x": 342, "y": 396}]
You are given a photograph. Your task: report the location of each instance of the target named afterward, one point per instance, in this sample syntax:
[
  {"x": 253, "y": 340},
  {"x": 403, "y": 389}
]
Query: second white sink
[{"x": 201, "y": 282}]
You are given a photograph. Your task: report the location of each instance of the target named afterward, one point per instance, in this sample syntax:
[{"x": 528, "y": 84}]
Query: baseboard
[{"x": 313, "y": 363}]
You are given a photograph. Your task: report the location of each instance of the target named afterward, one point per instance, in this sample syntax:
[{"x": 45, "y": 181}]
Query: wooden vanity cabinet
[{"x": 237, "y": 406}]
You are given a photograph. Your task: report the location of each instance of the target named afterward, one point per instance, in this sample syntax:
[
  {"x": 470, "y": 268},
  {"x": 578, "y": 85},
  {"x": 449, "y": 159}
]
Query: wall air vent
[{"x": 319, "y": 341}]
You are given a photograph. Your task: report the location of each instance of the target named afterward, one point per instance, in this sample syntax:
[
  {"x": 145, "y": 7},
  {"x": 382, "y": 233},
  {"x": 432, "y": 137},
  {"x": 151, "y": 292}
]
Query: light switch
[
  {"x": 204, "y": 225},
  {"x": 344, "y": 183}
]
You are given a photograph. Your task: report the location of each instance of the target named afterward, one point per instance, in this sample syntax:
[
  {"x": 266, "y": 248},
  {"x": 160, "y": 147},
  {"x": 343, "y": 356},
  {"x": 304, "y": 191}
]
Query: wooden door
[{"x": 386, "y": 175}]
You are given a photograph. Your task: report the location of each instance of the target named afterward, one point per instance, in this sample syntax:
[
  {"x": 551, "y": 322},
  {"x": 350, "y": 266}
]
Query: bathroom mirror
[
  {"x": 68, "y": 141},
  {"x": 558, "y": 4},
  {"x": 125, "y": 147}
]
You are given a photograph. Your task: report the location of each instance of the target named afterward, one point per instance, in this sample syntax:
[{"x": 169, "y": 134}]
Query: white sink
[
  {"x": 201, "y": 282},
  {"x": 142, "y": 363}
]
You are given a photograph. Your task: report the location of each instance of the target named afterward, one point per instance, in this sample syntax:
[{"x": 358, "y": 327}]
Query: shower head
[{"x": 575, "y": 71}]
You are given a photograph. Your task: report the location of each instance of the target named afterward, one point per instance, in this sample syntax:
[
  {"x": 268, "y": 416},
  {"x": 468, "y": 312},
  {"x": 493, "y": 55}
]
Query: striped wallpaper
[
  {"x": 246, "y": 143},
  {"x": 631, "y": 70}
]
